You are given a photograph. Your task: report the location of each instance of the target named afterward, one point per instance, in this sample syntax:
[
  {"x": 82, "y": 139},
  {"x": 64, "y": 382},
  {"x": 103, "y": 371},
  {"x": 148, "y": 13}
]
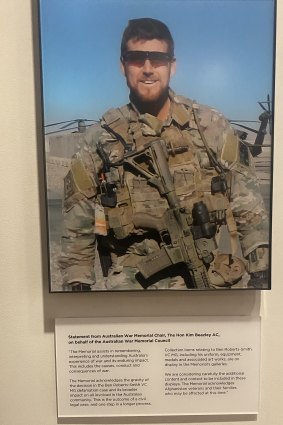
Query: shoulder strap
[
  {"x": 216, "y": 164},
  {"x": 183, "y": 100},
  {"x": 115, "y": 121}
]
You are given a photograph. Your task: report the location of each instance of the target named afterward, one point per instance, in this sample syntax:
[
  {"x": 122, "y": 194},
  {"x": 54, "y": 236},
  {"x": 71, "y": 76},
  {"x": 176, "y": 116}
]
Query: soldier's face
[{"x": 148, "y": 80}]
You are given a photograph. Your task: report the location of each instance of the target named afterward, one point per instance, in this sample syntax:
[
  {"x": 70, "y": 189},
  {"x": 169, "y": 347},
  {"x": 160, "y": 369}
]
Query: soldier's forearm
[
  {"x": 77, "y": 260},
  {"x": 78, "y": 244}
]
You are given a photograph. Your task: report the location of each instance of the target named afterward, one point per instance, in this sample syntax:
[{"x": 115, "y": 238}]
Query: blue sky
[{"x": 224, "y": 51}]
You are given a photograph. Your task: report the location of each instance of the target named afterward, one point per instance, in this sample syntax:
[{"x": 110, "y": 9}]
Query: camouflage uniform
[{"x": 242, "y": 236}]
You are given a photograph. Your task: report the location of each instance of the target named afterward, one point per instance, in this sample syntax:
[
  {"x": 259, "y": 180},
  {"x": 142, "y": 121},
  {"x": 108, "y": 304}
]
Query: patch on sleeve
[
  {"x": 78, "y": 184},
  {"x": 244, "y": 154},
  {"x": 230, "y": 151},
  {"x": 71, "y": 193},
  {"x": 235, "y": 152},
  {"x": 69, "y": 186},
  {"x": 80, "y": 175}
]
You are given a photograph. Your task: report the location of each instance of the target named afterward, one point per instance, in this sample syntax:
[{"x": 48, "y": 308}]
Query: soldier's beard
[{"x": 152, "y": 106}]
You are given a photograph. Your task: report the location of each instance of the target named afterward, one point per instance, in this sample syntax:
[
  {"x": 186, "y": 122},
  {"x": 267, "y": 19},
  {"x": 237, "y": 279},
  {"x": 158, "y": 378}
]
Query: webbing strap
[{"x": 216, "y": 164}]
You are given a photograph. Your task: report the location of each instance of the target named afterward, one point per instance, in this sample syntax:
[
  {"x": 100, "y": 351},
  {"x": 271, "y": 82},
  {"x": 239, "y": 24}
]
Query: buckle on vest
[{"x": 108, "y": 194}]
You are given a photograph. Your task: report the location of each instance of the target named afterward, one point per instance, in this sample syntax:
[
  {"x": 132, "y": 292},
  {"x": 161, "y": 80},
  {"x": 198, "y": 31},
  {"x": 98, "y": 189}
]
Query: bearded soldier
[{"x": 164, "y": 186}]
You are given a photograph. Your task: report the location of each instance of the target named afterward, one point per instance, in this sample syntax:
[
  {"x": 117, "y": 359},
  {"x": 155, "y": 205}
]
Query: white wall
[{"x": 27, "y": 376}]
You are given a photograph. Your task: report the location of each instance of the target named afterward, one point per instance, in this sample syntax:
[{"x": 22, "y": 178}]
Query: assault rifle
[{"x": 186, "y": 236}]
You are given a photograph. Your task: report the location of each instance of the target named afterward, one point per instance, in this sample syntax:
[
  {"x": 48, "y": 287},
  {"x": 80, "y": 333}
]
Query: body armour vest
[{"x": 166, "y": 195}]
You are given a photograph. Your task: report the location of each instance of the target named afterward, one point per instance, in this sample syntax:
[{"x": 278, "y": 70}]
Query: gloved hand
[
  {"x": 77, "y": 287},
  {"x": 259, "y": 280}
]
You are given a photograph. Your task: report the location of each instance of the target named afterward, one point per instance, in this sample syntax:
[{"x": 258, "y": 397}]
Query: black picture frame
[{"x": 67, "y": 90}]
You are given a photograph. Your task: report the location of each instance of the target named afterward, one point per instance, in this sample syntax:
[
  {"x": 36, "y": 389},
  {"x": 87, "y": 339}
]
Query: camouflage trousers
[{"x": 125, "y": 278}]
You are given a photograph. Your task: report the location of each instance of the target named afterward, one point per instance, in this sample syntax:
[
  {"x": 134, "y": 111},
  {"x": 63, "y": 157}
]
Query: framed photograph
[{"x": 158, "y": 119}]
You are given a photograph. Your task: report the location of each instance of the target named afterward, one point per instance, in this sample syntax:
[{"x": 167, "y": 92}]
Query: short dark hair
[{"x": 147, "y": 29}]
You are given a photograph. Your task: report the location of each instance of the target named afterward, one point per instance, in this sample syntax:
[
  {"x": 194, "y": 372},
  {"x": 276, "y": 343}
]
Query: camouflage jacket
[{"x": 200, "y": 140}]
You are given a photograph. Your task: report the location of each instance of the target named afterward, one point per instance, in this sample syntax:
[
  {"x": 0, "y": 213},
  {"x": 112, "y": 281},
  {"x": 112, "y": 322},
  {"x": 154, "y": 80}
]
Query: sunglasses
[{"x": 138, "y": 58}]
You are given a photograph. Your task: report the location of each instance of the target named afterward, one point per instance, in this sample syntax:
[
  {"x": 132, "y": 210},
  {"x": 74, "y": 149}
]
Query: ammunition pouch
[
  {"x": 160, "y": 260},
  {"x": 120, "y": 218}
]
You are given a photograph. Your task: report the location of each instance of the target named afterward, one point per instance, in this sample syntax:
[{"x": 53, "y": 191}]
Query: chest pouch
[{"x": 120, "y": 218}]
